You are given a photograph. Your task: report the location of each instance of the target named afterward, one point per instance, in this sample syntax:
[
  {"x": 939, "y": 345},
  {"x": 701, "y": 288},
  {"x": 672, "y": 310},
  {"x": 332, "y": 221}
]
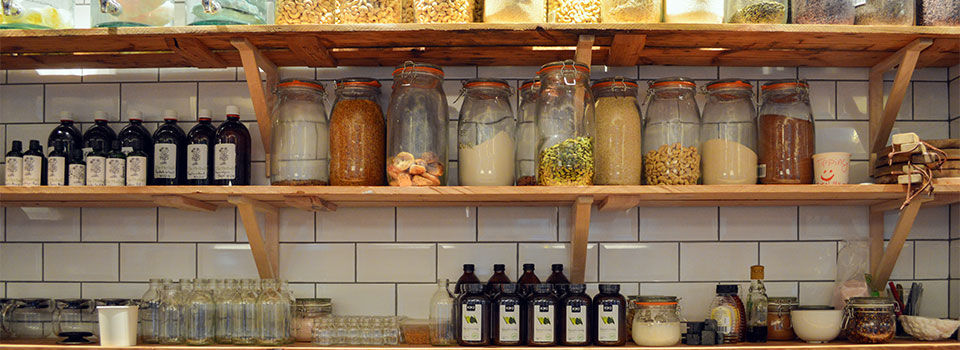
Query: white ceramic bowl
[{"x": 816, "y": 326}]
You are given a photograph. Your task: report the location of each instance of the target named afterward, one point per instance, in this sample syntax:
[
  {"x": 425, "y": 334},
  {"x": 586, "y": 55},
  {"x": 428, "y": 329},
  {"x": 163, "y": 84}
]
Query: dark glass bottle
[
  {"x": 116, "y": 165},
  {"x": 77, "y": 170},
  {"x": 136, "y": 131},
  {"x": 466, "y": 277},
  {"x": 609, "y": 316},
  {"x": 507, "y": 322},
  {"x": 13, "y": 166},
  {"x": 232, "y": 152},
  {"x": 201, "y": 139},
  {"x": 34, "y": 165},
  {"x": 527, "y": 280},
  {"x": 57, "y": 165},
  {"x": 67, "y": 132},
  {"x": 97, "y": 166},
  {"x": 558, "y": 280},
  {"x": 499, "y": 277},
  {"x": 99, "y": 131},
  {"x": 169, "y": 152},
  {"x": 575, "y": 323},
  {"x": 542, "y": 316},
  {"x": 473, "y": 316},
  {"x": 137, "y": 165}
]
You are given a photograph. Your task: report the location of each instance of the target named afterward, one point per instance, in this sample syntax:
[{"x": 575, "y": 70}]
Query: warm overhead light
[
  {"x": 559, "y": 48},
  {"x": 713, "y": 49}
]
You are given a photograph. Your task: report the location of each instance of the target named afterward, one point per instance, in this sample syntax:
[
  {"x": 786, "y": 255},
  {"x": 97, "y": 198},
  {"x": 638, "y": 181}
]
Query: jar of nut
[
  {"x": 565, "y": 122},
  {"x": 417, "y": 126},
  {"x": 671, "y": 136},
  {"x": 306, "y": 11},
  {"x": 443, "y": 11},
  {"x": 573, "y": 11},
  {"x": 369, "y": 11}
]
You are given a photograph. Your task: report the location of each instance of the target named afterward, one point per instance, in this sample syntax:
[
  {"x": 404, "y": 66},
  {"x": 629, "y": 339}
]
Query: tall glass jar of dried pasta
[
  {"x": 729, "y": 133},
  {"x": 357, "y": 134},
  {"x": 300, "y": 136},
  {"x": 417, "y": 127},
  {"x": 486, "y": 134},
  {"x": 527, "y": 133},
  {"x": 565, "y": 123},
  {"x": 616, "y": 145},
  {"x": 671, "y": 133}
]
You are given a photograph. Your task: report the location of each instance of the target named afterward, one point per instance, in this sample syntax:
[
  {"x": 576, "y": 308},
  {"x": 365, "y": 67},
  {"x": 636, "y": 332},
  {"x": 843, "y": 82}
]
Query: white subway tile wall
[{"x": 385, "y": 261}]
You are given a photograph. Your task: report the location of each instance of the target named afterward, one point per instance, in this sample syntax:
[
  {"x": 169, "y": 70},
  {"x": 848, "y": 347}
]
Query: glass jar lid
[
  {"x": 784, "y": 84},
  {"x": 34, "y": 303},
  {"x": 729, "y": 84},
  {"x": 300, "y": 83},
  {"x": 815, "y": 307},
  {"x": 530, "y": 84},
  {"x": 569, "y": 64},
  {"x": 73, "y": 304},
  {"x": 314, "y": 305},
  {"x": 486, "y": 83},
  {"x": 410, "y": 66},
  {"x": 357, "y": 82},
  {"x": 870, "y": 302},
  {"x": 614, "y": 83},
  {"x": 783, "y": 301},
  {"x": 655, "y": 300},
  {"x": 673, "y": 82}
]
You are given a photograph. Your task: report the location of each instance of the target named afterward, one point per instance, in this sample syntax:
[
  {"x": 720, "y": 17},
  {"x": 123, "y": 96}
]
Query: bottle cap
[
  {"x": 17, "y": 145},
  {"x": 169, "y": 114},
  {"x": 609, "y": 288},
  {"x": 756, "y": 272},
  {"x": 727, "y": 289},
  {"x": 468, "y": 268},
  {"x": 203, "y": 114},
  {"x": 99, "y": 115},
  {"x": 473, "y": 288},
  {"x": 543, "y": 288},
  {"x": 557, "y": 267},
  {"x": 508, "y": 288},
  {"x": 577, "y": 288},
  {"x": 528, "y": 267},
  {"x": 136, "y": 115},
  {"x": 65, "y": 116},
  {"x": 233, "y": 110},
  {"x": 34, "y": 144},
  {"x": 499, "y": 267}
]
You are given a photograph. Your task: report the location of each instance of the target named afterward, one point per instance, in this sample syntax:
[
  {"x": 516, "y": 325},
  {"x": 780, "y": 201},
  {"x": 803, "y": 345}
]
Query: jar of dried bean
[
  {"x": 486, "y": 134},
  {"x": 417, "y": 127},
  {"x": 693, "y": 11},
  {"x": 939, "y": 13},
  {"x": 822, "y": 12},
  {"x": 299, "y": 154},
  {"x": 369, "y": 11},
  {"x": 573, "y": 11},
  {"x": 786, "y": 133},
  {"x": 306, "y": 12},
  {"x": 357, "y": 134},
  {"x": 632, "y": 11},
  {"x": 756, "y": 11},
  {"x": 671, "y": 135},
  {"x": 885, "y": 12},
  {"x": 527, "y": 133},
  {"x": 443, "y": 11},
  {"x": 729, "y": 134},
  {"x": 869, "y": 320},
  {"x": 565, "y": 112},
  {"x": 617, "y": 143}
]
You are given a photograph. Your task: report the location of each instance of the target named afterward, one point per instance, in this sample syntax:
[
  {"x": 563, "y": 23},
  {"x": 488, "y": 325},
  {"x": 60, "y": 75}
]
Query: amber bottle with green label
[
  {"x": 508, "y": 324},
  {"x": 473, "y": 316},
  {"x": 541, "y": 310},
  {"x": 609, "y": 313},
  {"x": 575, "y": 325}
]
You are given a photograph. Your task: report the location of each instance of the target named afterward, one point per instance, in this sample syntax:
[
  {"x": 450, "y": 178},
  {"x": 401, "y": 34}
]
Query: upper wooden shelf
[{"x": 473, "y": 44}]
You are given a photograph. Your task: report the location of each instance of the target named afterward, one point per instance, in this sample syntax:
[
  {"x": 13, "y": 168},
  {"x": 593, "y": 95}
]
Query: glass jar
[
  {"x": 131, "y": 13},
  {"x": 74, "y": 316},
  {"x": 199, "y": 314},
  {"x": 442, "y": 331},
  {"x": 149, "y": 312},
  {"x": 822, "y": 12},
  {"x": 443, "y": 11},
  {"x": 300, "y": 152},
  {"x": 657, "y": 321},
  {"x": 514, "y": 11},
  {"x": 756, "y": 11},
  {"x": 369, "y": 11},
  {"x": 632, "y": 11},
  {"x": 226, "y": 12},
  {"x": 885, "y": 12},
  {"x": 170, "y": 314},
  {"x": 616, "y": 145},
  {"x": 527, "y": 133},
  {"x": 573, "y": 11},
  {"x": 226, "y": 297},
  {"x": 729, "y": 131},
  {"x": 357, "y": 134},
  {"x": 6, "y": 304},
  {"x": 272, "y": 308},
  {"x": 786, "y": 135},
  {"x": 417, "y": 127},
  {"x": 29, "y": 317},
  {"x": 632, "y": 307},
  {"x": 306, "y": 12},
  {"x": 307, "y": 315},
  {"x": 779, "y": 326},
  {"x": 37, "y": 14},
  {"x": 869, "y": 320},
  {"x": 565, "y": 122},
  {"x": 244, "y": 314},
  {"x": 486, "y": 134},
  {"x": 939, "y": 13},
  {"x": 693, "y": 11},
  {"x": 671, "y": 133}
]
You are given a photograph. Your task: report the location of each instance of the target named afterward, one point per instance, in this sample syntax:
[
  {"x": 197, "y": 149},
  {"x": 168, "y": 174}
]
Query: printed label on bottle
[
  {"x": 197, "y": 162},
  {"x": 86, "y": 151},
  {"x": 165, "y": 161},
  {"x": 761, "y": 171},
  {"x": 136, "y": 171},
  {"x": 576, "y": 323},
  {"x": 724, "y": 316},
  {"x": 472, "y": 321},
  {"x": 225, "y": 161},
  {"x": 608, "y": 322},
  {"x": 13, "y": 171},
  {"x": 96, "y": 171},
  {"x": 77, "y": 175},
  {"x": 116, "y": 171},
  {"x": 543, "y": 317},
  {"x": 32, "y": 170},
  {"x": 55, "y": 171},
  {"x": 126, "y": 150},
  {"x": 509, "y": 322}
]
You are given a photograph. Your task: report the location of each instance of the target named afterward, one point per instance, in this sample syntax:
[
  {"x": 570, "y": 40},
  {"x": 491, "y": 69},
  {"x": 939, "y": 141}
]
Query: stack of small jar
[{"x": 356, "y": 330}]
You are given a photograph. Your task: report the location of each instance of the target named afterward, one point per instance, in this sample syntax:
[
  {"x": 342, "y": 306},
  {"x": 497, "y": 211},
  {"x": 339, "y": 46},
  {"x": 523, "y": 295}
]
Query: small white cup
[
  {"x": 118, "y": 325},
  {"x": 831, "y": 168}
]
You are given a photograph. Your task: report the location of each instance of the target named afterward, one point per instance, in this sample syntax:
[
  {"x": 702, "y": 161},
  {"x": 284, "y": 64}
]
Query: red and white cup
[{"x": 831, "y": 168}]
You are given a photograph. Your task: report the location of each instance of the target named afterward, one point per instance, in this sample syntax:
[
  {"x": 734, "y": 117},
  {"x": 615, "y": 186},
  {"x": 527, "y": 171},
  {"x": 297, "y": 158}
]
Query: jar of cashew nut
[
  {"x": 671, "y": 135},
  {"x": 573, "y": 11},
  {"x": 369, "y": 11},
  {"x": 417, "y": 127},
  {"x": 443, "y": 11},
  {"x": 306, "y": 11}
]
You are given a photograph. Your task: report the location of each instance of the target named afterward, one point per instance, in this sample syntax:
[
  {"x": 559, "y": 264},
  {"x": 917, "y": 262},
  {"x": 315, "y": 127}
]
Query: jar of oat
[
  {"x": 300, "y": 138},
  {"x": 514, "y": 11},
  {"x": 756, "y": 11},
  {"x": 565, "y": 122},
  {"x": 693, "y": 11},
  {"x": 632, "y": 11},
  {"x": 527, "y": 133},
  {"x": 786, "y": 133},
  {"x": 729, "y": 131},
  {"x": 417, "y": 127},
  {"x": 443, "y": 11},
  {"x": 616, "y": 145},
  {"x": 369, "y": 11},
  {"x": 357, "y": 134},
  {"x": 486, "y": 134},
  {"x": 306, "y": 12},
  {"x": 671, "y": 134},
  {"x": 573, "y": 11},
  {"x": 885, "y": 12}
]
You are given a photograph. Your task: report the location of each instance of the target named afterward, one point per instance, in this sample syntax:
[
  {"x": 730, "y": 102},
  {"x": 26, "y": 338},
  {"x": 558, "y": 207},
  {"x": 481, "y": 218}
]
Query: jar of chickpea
[
  {"x": 671, "y": 135},
  {"x": 306, "y": 11}
]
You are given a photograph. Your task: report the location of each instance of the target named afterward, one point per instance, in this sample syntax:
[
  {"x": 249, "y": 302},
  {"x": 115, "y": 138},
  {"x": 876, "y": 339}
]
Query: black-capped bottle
[
  {"x": 609, "y": 310},
  {"x": 116, "y": 167},
  {"x": 542, "y": 315},
  {"x": 507, "y": 324},
  {"x": 136, "y": 131},
  {"x": 232, "y": 152},
  {"x": 97, "y": 166},
  {"x": 527, "y": 280},
  {"x": 201, "y": 140},
  {"x": 100, "y": 131},
  {"x": 77, "y": 170},
  {"x": 13, "y": 164},
  {"x": 558, "y": 280},
  {"x": 467, "y": 277},
  {"x": 66, "y": 132},
  {"x": 576, "y": 322},
  {"x": 34, "y": 165},
  {"x": 137, "y": 165},
  {"x": 169, "y": 152},
  {"x": 499, "y": 277},
  {"x": 473, "y": 316},
  {"x": 57, "y": 165}
]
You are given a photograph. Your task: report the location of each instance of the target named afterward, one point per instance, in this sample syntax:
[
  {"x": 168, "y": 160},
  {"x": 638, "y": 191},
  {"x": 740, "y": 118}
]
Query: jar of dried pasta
[
  {"x": 443, "y": 11},
  {"x": 573, "y": 11},
  {"x": 369, "y": 11},
  {"x": 306, "y": 11}
]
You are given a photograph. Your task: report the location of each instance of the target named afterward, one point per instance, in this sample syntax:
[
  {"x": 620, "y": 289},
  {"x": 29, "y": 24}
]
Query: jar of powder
[{"x": 786, "y": 135}]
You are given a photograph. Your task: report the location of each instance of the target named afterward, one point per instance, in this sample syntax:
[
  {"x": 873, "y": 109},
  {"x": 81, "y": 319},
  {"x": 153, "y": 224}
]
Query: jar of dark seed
[{"x": 869, "y": 320}]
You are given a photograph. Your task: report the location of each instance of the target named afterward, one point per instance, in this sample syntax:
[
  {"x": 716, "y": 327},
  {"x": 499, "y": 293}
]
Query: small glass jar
[
  {"x": 272, "y": 310},
  {"x": 369, "y": 11},
  {"x": 199, "y": 314},
  {"x": 756, "y": 11},
  {"x": 617, "y": 141},
  {"x": 74, "y": 316},
  {"x": 244, "y": 314},
  {"x": 886, "y": 12},
  {"x": 37, "y": 14},
  {"x": 786, "y": 133},
  {"x": 131, "y": 13},
  {"x": 170, "y": 313},
  {"x": 822, "y": 12},
  {"x": 486, "y": 134},
  {"x": 358, "y": 134},
  {"x": 565, "y": 122},
  {"x": 306, "y": 12},
  {"x": 29, "y": 317},
  {"x": 657, "y": 321},
  {"x": 226, "y": 12},
  {"x": 527, "y": 133},
  {"x": 869, "y": 320},
  {"x": 693, "y": 11},
  {"x": 729, "y": 131},
  {"x": 443, "y": 11},
  {"x": 514, "y": 11},
  {"x": 779, "y": 326},
  {"x": 574, "y": 11},
  {"x": 939, "y": 13},
  {"x": 671, "y": 133},
  {"x": 417, "y": 127},
  {"x": 632, "y": 11},
  {"x": 300, "y": 152},
  {"x": 307, "y": 315}
]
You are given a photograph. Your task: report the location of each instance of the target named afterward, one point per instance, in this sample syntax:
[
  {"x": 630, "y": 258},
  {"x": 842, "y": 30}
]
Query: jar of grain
[
  {"x": 527, "y": 133},
  {"x": 565, "y": 122},
  {"x": 306, "y": 12},
  {"x": 779, "y": 324},
  {"x": 514, "y": 11},
  {"x": 300, "y": 138},
  {"x": 369, "y": 11},
  {"x": 443, "y": 11},
  {"x": 617, "y": 141},
  {"x": 573, "y": 11},
  {"x": 486, "y": 134},
  {"x": 939, "y": 13},
  {"x": 357, "y": 134},
  {"x": 671, "y": 133},
  {"x": 786, "y": 133},
  {"x": 417, "y": 127},
  {"x": 822, "y": 12},
  {"x": 693, "y": 11},
  {"x": 885, "y": 12},
  {"x": 632, "y": 11},
  {"x": 729, "y": 132},
  {"x": 755, "y": 11}
]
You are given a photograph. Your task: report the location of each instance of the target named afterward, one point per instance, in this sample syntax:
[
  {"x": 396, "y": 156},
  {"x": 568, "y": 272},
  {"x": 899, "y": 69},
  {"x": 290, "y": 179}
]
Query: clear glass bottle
[
  {"x": 272, "y": 308},
  {"x": 290, "y": 310},
  {"x": 200, "y": 314},
  {"x": 37, "y": 14},
  {"x": 441, "y": 315},
  {"x": 486, "y": 134},
  {"x": 417, "y": 127},
  {"x": 131, "y": 13},
  {"x": 693, "y": 11},
  {"x": 617, "y": 142},
  {"x": 938, "y": 13},
  {"x": 565, "y": 122},
  {"x": 671, "y": 134},
  {"x": 756, "y": 307},
  {"x": 729, "y": 134},
  {"x": 822, "y": 12},
  {"x": 227, "y": 297},
  {"x": 514, "y": 11},
  {"x": 244, "y": 314},
  {"x": 786, "y": 133},
  {"x": 869, "y": 320},
  {"x": 885, "y": 12},
  {"x": 527, "y": 133},
  {"x": 574, "y": 11},
  {"x": 226, "y": 12},
  {"x": 149, "y": 312},
  {"x": 657, "y": 321},
  {"x": 756, "y": 11},
  {"x": 300, "y": 153},
  {"x": 170, "y": 314},
  {"x": 632, "y": 11},
  {"x": 358, "y": 134}
]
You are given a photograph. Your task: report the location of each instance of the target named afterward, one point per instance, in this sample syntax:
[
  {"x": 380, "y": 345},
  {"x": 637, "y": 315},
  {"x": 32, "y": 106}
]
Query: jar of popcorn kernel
[
  {"x": 306, "y": 11},
  {"x": 443, "y": 11},
  {"x": 369, "y": 11},
  {"x": 573, "y": 11}
]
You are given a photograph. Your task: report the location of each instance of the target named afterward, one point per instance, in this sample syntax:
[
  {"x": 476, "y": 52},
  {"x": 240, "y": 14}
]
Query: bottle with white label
[
  {"x": 66, "y": 132},
  {"x": 473, "y": 316},
  {"x": 116, "y": 165},
  {"x": 609, "y": 308},
  {"x": 100, "y": 131},
  {"x": 169, "y": 152},
  {"x": 57, "y": 165},
  {"x": 34, "y": 165},
  {"x": 136, "y": 131},
  {"x": 575, "y": 324},
  {"x": 77, "y": 169},
  {"x": 232, "y": 153},
  {"x": 542, "y": 316},
  {"x": 97, "y": 166},
  {"x": 13, "y": 165},
  {"x": 507, "y": 316},
  {"x": 137, "y": 165},
  {"x": 200, "y": 141}
]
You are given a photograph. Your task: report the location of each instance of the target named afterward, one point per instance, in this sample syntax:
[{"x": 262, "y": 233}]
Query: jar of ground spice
[
  {"x": 822, "y": 12},
  {"x": 786, "y": 134},
  {"x": 357, "y": 134},
  {"x": 729, "y": 134},
  {"x": 869, "y": 320},
  {"x": 779, "y": 325},
  {"x": 617, "y": 142}
]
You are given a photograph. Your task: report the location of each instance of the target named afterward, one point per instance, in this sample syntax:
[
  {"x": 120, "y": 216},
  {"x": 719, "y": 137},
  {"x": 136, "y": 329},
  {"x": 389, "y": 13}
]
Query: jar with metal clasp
[
  {"x": 869, "y": 320},
  {"x": 779, "y": 325}
]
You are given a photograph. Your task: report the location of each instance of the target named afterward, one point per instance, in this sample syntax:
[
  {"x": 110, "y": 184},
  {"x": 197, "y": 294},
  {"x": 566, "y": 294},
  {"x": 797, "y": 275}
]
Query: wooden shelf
[{"x": 475, "y": 44}]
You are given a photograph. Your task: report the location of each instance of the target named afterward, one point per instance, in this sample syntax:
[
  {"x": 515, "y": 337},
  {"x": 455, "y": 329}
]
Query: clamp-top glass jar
[
  {"x": 30, "y": 318},
  {"x": 886, "y": 12},
  {"x": 36, "y": 14},
  {"x": 358, "y": 134},
  {"x": 131, "y": 13},
  {"x": 729, "y": 132},
  {"x": 756, "y": 11},
  {"x": 657, "y": 321},
  {"x": 226, "y": 12},
  {"x": 869, "y": 320},
  {"x": 671, "y": 133},
  {"x": 779, "y": 325},
  {"x": 417, "y": 127},
  {"x": 527, "y": 133},
  {"x": 486, "y": 134},
  {"x": 299, "y": 154},
  {"x": 786, "y": 135},
  {"x": 617, "y": 143},
  {"x": 565, "y": 122},
  {"x": 75, "y": 316}
]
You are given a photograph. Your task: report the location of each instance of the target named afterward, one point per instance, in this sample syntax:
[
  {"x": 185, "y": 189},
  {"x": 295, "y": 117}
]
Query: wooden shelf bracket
[
  {"x": 580, "y": 227},
  {"x": 625, "y": 49},
  {"x": 310, "y": 203},
  {"x": 882, "y": 268},
  {"x": 261, "y": 93},
  {"x": 264, "y": 244},
  {"x": 584, "y": 53},
  {"x": 184, "y": 203}
]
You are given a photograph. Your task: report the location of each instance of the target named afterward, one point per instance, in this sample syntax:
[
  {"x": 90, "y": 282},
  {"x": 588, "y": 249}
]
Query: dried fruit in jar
[
  {"x": 568, "y": 163},
  {"x": 405, "y": 170}
]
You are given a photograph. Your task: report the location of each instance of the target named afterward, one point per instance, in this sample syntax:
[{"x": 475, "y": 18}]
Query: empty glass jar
[
  {"x": 273, "y": 314},
  {"x": 200, "y": 314},
  {"x": 300, "y": 145},
  {"x": 486, "y": 134},
  {"x": 226, "y": 12},
  {"x": 527, "y": 133},
  {"x": 729, "y": 131},
  {"x": 565, "y": 122},
  {"x": 131, "y": 13},
  {"x": 30, "y": 318},
  {"x": 671, "y": 135},
  {"x": 170, "y": 313},
  {"x": 149, "y": 312},
  {"x": 74, "y": 319},
  {"x": 657, "y": 321},
  {"x": 786, "y": 133},
  {"x": 417, "y": 127},
  {"x": 756, "y": 11},
  {"x": 442, "y": 320},
  {"x": 244, "y": 314},
  {"x": 37, "y": 14}
]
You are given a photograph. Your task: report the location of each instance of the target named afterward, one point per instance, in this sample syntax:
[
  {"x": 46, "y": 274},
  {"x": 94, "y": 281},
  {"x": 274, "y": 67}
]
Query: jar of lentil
[
  {"x": 617, "y": 141},
  {"x": 306, "y": 12},
  {"x": 786, "y": 133},
  {"x": 565, "y": 123},
  {"x": 869, "y": 320},
  {"x": 939, "y": 13},
  {"x": 300, "y": 137},
  {"x": 527, "y": 133},
  {"x": 779, "y": 326},
  {"x": 671, "y": 133},
  {"x": 657, "y": 321},
  {"x": 357, "y": 134},
  {"x": 729, "y": 131},
  {"x": 755, "y": 11},
  {"x": 443, "y": 11},
  {"x": 369, "y": 11},
  {"x": 822, "y": 12},
  {"x": 573, "y": 11},
  {"x": 886, "y": 12},
  {"x": 631, "y": 11},
  {"x": 486, "y": 134},
  {"x": 417, "y": 127}
]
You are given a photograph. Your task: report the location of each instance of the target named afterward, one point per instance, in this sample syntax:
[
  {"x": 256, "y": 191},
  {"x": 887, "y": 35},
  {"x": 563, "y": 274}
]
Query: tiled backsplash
[{"x": 384, "y": 260}]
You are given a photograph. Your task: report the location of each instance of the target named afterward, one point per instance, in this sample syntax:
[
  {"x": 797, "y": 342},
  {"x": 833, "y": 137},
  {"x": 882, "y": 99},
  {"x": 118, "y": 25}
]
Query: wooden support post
[
  {"x": 184, "y": 203},
  {"x": 584, "y": 52},
  {"x": 264, "y": 246},
  {"x": 625, "y": 49},
  {"x": 195, "y": 52},
  {"x": 310, "y": 203},
  {"x": 580, "y": 222},
  {"x": 907, "y": 216},
  {"x": 260, "y": 94}
]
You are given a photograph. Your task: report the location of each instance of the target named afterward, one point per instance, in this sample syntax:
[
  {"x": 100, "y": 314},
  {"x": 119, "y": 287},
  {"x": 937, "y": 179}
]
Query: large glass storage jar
[
  {"x": 131, "y": 13},
  {"x": 443, "y": 11},
  {"x": 300, "y": 150},
  {"x": 574, "y": 11},
  {"x": 885, "y": 12},
  {"x": 30, "y": 318},
  {"x": 671, "y": 133},
  {"x": 225, "y": 12},
  {"x": 786, "y": 133},
  {"x": 565, "y": 123},
  {"x": 305, "y": 12},
  {"x": 36, "y": 14},
  {"x": 779, "y": 324},
  {"x": 307, "y": 313},
  {"x": 358, "y": 134},
  {"x": 939, "y": 13},
  {"x": 632, "y": 11},
  {"x": 199, "y": 314},
  {"x": 417, "y": 127},
  {"x": 729, "y": 131},
  {"x": 869, "y": 320},
  {"x": 369, "y": 11},
  {"x": 515, "y": 11},
  {"x": 616, "y": 145},
  {"x": 74, "y": 316},
  {"x": 822, "y": 12},
  {"x": 657, "y": 321},
  {"x": 527, "y": 133},
  {"x": 486, "y": 134},
  {"x": 693, "y": 11},
  {"x": 756, "y": 11}
]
